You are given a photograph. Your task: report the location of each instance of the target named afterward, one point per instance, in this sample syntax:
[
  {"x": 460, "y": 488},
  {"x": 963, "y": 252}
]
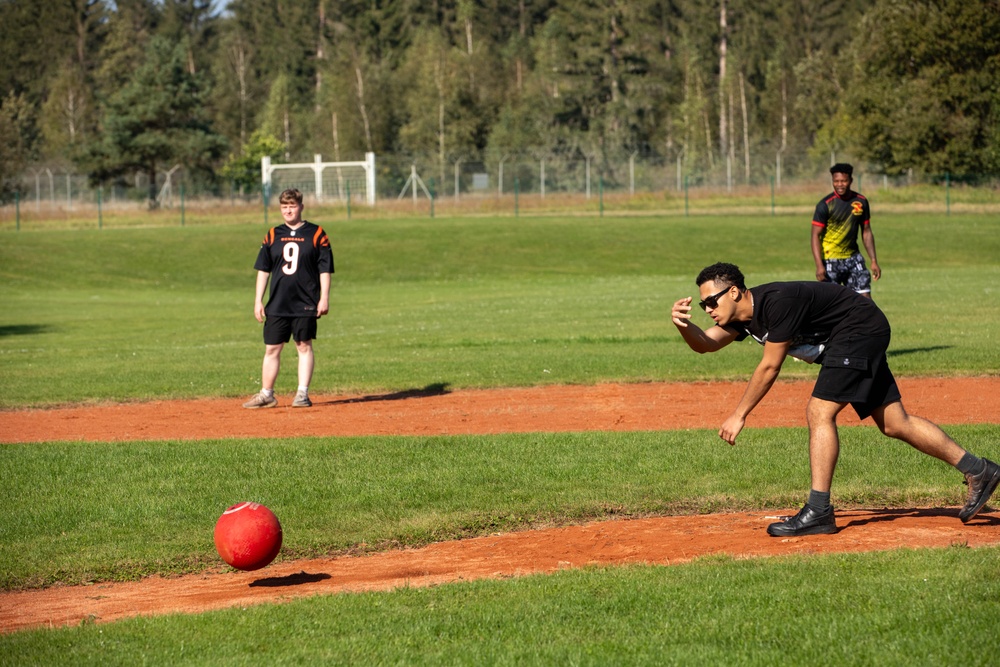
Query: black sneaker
[
  {"x": 981, "y": 487},
  {"x": 808, "y": 521}
]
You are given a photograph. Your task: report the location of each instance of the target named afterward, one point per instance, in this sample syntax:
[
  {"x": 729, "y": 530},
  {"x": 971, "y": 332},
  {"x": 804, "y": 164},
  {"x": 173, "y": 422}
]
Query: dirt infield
[{"x": 436, "y": 410}]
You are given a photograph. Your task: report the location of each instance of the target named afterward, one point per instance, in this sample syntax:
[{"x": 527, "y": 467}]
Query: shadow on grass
[
  {"x": 298, "y": 579},
  {"x": 882, "y": 516},
  {"x": 917, "y": 350},
  {"x": 436, "y": 389},
  {"x": 24, "y": 329}
]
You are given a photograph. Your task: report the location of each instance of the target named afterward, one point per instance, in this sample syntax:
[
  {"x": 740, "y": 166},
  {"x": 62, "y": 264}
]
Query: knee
[
  {"x": 817, "y": 415},
  {"x": 893, "y": 421},
  {"x": 893, "y": 427}
]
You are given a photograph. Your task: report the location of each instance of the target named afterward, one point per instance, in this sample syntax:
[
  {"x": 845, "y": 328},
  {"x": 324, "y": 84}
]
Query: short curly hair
[{"x": 722, "y": 273}]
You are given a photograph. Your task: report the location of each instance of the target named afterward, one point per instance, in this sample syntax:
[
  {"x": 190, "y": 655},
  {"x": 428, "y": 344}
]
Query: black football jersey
[
  {"x": 295, "y": 259},
  {"x": 841, "y": 219}
]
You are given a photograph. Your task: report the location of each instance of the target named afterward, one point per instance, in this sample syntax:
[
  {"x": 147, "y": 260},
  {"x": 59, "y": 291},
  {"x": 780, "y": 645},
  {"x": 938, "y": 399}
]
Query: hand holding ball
[{"x": 248, "y": 536}]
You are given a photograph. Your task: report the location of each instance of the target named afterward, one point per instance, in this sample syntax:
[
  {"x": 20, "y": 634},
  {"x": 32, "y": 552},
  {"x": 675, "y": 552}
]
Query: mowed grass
[
  {"x": 926, "y": 607},
  {"x": 84, "y": 512},
  {"x": 135, "y": 314},
  {"x": 130, "y": 314}
]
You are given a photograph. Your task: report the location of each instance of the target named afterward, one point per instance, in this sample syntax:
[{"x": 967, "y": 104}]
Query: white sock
[
  {"x": 303, "y": 390},
  {"x": 267, "y": 393}
]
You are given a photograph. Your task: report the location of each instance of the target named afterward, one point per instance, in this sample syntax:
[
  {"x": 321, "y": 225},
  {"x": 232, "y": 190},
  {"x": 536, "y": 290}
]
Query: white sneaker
[
  {"x": 259, "y": 400},
  {"x": 301, "y": 400}
]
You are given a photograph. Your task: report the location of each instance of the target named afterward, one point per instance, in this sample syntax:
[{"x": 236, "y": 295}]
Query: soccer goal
[{"x": 326, "y": 181}]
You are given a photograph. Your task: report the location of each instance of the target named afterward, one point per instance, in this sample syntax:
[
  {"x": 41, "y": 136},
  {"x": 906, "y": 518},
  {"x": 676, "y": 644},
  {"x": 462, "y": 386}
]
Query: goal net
[{"x": 322, "y": 181}]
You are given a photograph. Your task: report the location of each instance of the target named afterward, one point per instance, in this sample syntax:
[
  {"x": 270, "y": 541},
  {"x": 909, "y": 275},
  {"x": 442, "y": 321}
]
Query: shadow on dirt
[
  {"x": 290, "y": 580},
  {"x": 881, "y": 516},
  {"x": 436, "y": 389}
]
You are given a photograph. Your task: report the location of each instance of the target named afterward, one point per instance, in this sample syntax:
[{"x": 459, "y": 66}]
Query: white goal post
[{"x": 318, "y": 166}]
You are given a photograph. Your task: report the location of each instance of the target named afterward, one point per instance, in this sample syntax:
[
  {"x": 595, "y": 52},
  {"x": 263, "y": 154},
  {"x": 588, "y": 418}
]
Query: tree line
[{"x": 115, "y": 88}]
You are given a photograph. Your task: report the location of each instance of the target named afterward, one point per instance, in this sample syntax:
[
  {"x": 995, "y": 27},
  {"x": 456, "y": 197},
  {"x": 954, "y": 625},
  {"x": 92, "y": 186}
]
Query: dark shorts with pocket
[
  {"x": 279, "y": 330},
  {"x": 850, "y": 272},
  {"x": 855, "y": 370}
]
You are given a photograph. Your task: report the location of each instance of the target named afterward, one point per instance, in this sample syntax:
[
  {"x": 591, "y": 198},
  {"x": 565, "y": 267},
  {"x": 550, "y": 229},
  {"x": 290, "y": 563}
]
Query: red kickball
[{"x": 248, "y": 536}]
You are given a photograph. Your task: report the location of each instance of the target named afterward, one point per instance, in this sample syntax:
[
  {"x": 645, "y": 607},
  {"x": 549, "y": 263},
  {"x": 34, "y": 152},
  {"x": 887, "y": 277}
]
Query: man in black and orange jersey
[
  {"x": 297, "y": 260},
  {"x": 835, "y": 227}
]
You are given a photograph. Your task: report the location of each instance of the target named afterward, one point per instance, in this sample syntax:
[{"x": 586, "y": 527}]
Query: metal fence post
[
  {"x": 685, "y": 195},
  {"x": 772, "y": 196},
  {"x": 947, "y": 194},
  {"x": 600, "y": 193},
  {"x": 517, "y": 188},
  {"x": 430, "y": 194},
  {"x": 263, "y": 199}
]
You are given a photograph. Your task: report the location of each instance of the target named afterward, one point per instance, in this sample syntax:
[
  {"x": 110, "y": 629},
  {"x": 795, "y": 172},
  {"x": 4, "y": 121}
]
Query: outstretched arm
[
  {"x": 698, "y": 339},
  {"x": 760, "y": 383}
]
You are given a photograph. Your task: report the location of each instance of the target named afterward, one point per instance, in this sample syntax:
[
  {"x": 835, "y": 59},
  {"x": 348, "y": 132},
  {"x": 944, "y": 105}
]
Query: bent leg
[
  {"x": 921, "y": 434},
  {"x": 824, "y": 441}
]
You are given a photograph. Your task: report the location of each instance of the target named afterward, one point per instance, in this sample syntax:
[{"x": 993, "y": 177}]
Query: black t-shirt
[
  {"x": 810, "y": 312},
  {"x": 295, "y": 259}
]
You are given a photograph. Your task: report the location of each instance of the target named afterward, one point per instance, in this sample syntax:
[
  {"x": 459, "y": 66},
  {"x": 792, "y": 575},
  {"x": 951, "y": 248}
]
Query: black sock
[
  {"x": 971, "y": 464},
  {"x": 818, "y": 499}
]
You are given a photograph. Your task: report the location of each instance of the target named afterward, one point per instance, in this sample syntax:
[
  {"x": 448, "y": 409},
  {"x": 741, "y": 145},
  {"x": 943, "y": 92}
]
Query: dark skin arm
[
  {"x": 868, "y": 239},
  {"x": 817, "y": 250}
]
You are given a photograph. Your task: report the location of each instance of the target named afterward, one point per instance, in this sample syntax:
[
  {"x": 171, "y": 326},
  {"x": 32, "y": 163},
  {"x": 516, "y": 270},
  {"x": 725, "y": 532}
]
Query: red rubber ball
[{"x": 248, "y": 536}]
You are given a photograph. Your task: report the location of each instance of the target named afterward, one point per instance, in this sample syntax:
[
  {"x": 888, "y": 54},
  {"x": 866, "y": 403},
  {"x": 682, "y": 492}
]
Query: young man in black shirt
[
  {"x": 296, "y": 258},
  {"x": 848, "y": 334}
]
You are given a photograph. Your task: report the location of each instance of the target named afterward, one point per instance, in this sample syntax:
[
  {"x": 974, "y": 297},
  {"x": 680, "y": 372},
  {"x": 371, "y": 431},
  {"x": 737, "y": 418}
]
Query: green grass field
[
  {"x": 140, "y": 313},
  {"x": 132, "y": 314}
]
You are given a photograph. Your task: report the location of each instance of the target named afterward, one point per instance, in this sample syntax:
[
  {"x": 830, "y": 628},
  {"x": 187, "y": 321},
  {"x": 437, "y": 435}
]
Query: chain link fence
[{"x": 503, "y": 184}]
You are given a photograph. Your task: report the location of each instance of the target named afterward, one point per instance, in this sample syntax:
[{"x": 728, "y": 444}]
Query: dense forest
[{"x": 111, "y": 88}]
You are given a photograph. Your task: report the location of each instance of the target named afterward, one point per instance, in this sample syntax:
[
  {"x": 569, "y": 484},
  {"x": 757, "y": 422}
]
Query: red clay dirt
[{"x": 436, "y": 410}]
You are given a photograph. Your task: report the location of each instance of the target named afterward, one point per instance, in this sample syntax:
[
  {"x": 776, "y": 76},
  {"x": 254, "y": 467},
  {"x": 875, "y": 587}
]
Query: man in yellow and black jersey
[{"x": 835, "y": 225}]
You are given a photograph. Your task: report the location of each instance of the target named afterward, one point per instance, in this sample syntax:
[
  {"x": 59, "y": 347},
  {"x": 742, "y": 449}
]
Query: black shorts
[
  {"x": 855, "y": 370},
  {"x": 279, "y": 330}
]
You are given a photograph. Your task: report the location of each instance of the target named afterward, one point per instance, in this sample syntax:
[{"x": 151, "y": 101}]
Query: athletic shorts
[
  {"x": 850, "y": 272},
  {"x": 856, "y": 371},
  {"x": 279, "y": 330}
]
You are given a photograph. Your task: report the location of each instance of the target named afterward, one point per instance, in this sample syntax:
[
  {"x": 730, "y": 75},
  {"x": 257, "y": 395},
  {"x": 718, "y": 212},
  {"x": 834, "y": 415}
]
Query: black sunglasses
[{"x": 713, "y": 301}]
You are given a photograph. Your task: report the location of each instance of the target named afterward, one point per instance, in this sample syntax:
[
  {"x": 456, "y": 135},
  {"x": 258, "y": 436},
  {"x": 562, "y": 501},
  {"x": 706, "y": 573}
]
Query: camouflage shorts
[{"x": 850, "y": 272}]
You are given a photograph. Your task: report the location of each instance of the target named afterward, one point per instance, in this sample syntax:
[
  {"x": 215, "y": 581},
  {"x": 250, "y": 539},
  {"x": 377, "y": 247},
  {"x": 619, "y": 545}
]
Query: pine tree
[{"x": 156, "y": 119}]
